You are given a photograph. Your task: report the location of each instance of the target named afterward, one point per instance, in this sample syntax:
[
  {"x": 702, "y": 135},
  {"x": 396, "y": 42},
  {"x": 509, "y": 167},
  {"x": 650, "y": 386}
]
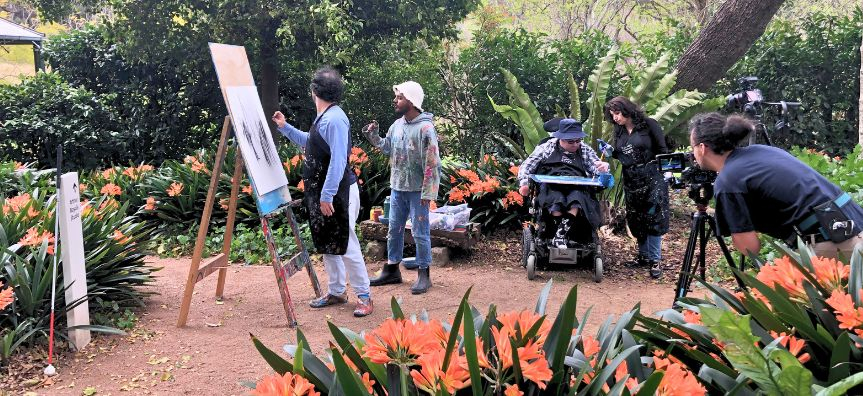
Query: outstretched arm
[
  {"x": 371, "y": 133},
  {"x": 287, "y": 130}
]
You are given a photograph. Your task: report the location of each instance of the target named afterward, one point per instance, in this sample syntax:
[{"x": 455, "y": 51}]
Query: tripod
[{"x": 698, "y": 235}]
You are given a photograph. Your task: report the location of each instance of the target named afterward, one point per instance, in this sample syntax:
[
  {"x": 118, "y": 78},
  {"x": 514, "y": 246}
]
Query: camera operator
[
  {"x": 637, "y": 141},
  {"x": 764, "y": 189}
]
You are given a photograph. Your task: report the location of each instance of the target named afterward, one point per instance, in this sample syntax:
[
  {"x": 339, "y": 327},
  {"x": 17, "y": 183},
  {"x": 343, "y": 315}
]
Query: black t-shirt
[
  {"x": 765, "y": 189},
  {"x": 639, "y": 147}
]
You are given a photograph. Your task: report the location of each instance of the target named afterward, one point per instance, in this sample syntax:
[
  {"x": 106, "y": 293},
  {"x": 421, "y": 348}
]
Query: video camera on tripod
[
  {"x": 698, "y": 181},
  {"x": 750, "y": 101}
]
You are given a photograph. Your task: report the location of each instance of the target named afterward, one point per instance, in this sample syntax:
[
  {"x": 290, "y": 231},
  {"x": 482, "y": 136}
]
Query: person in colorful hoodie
[{"x": 412, "y": 144}]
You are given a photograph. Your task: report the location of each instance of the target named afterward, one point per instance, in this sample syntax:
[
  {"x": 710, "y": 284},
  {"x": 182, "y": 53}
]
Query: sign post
[{"x": 74, "y": 272}]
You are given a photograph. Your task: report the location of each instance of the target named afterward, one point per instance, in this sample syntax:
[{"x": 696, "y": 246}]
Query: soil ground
[{"x": 213, "y": 354}]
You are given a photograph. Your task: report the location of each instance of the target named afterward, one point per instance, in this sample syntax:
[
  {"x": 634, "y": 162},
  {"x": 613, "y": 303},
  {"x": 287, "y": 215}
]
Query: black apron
[
  {"x": 329, "y": 233},
  {"x": 646, "y": 199},
  {"x": 560, "y": 164}
]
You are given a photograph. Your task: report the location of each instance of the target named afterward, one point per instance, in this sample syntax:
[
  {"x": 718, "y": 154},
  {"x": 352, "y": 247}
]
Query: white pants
[{"x": 351, "y": 266}]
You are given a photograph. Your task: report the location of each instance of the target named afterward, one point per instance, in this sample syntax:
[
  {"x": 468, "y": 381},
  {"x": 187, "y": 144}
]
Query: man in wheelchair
[{"x": 564, "y": 155}]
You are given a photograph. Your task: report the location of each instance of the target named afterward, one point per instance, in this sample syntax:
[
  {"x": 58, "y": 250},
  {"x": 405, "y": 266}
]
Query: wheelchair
[{"x": 538, "y": 251}]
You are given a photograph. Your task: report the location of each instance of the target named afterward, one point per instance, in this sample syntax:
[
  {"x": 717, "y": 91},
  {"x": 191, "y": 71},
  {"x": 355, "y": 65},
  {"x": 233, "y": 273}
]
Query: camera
[
  {"x": 748, "y": 98},
  {"x": 698, "y": 180}
]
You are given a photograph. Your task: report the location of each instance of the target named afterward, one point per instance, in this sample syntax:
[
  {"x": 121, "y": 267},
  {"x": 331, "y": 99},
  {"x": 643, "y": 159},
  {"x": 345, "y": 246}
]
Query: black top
[
  {"x": 563, "y": 163},
  {"x": 639, "y": 147},
  {"x": 765, "y": 189}
]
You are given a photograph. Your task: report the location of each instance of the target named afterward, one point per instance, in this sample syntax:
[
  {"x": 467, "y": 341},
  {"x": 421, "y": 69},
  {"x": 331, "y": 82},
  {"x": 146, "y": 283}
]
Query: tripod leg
[
  {"x": 684, "y": 279},
  {"x": 702, "y": 246},
  {"x": 727, "y": 253}
]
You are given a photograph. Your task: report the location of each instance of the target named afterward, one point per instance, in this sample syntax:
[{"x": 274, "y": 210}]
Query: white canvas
[{"x": 259, "y": 152}]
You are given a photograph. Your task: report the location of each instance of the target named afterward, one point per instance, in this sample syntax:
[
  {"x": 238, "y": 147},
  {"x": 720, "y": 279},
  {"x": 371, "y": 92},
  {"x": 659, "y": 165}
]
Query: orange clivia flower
[
  {"x": 33, "y": 238},
  {"x": 358, "y": 157},
  {"x": 131, "y": 172},
  {"x": 691, "y": 317},
  {"x": 108, "y": 173},
  {"x": 400, "y": 341},
  {"x": 119, "y": 237},
  {"x": 108, "y": 204},
  {"x": 469, "y": 175},
  {"x": 33, "y": 213},
  {"x": 432, "y": 379},
  {"x": 848, "y": 315},
  {"x": 86, "y": 209},
  {"x": 16, "y": 203},
  {"x": 284, "y": 385},
  {"x": 589, "y": 345},
  {"x": 793, "y": 344},
  {"x": 145, "y": 168},
  {"x": 524, "y": 320},
  {"x": 678, "y": 381},
  {"x": 175, "y": 189},
  {"x": 7, "y": 296},
  {"x": 452, "y": 180},
  {"x": 18, "y": 165},
  {"x": 457, "y": 195},
  {"x": 830, "y": 272},
  {"x": 512, "y": 198},
  {"x": 296, "y": 160},
  {"x": 151, "y": 204},
  {"x": 531, "y": 357},
  {"x": 512, "y": 390},
  {"x": 111, "y": 189},
  {"x": 301, "y": 186},
  {"x": 783, "y": 274},
  {"x": 514, "y": 170}
]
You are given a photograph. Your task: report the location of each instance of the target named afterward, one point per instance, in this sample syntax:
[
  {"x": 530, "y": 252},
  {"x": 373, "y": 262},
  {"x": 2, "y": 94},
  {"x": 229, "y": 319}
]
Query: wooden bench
[{"x": 375, "y": 234}]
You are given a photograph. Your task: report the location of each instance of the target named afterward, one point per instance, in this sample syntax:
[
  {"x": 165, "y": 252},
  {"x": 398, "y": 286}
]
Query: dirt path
[{"x": 213, "y": 354}]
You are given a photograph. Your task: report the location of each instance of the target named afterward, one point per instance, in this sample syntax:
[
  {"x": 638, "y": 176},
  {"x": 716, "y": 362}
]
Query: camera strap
[{"x": 828, "y": 220}]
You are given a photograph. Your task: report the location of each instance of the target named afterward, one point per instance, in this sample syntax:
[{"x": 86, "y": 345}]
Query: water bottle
[{"x": 387, "y": 207}]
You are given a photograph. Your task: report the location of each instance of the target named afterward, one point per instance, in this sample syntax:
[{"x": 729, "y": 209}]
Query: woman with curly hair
[{"x": 637, "y": 140}]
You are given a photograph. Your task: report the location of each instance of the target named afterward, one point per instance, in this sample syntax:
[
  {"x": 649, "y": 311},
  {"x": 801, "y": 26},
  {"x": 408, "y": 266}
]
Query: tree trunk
[
  {"x": 269, "y": 85},
  {"x": 723, "y": 41},
  {"x": 860, "y": 102}
]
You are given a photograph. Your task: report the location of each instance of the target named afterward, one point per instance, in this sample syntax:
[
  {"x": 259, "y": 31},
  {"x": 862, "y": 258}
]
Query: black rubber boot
[
  {"x": 389, "y": 274},
  {"x": 423, "y": 282}
]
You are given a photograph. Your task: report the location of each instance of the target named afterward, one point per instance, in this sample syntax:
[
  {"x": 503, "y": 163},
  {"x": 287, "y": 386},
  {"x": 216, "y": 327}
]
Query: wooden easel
[{"x": 198, "y": 270}]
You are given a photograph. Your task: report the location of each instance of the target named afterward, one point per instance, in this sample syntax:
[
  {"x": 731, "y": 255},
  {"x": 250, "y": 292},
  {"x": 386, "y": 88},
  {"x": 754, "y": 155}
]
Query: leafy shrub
[
  {"x": 44, "y": 111},
  {"x": 846, "y": 173},
  {"x": 814, "y": 60},
  {"x": 167, "y": 108}
]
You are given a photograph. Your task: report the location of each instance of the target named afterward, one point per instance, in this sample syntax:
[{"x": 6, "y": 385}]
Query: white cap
[{"x": 412, "y": 91}]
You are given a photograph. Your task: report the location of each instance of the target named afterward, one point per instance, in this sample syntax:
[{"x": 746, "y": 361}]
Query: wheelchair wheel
[
  {"x": 597, "y": 269},
  {"x": 530, "y": 265},
  {"x": 526, "y": 244},
  {"x": 597, "y": 264}
]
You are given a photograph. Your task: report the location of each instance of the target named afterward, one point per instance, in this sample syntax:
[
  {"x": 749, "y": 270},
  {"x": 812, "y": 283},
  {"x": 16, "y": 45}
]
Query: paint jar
[{"x": 376, "y": 213}]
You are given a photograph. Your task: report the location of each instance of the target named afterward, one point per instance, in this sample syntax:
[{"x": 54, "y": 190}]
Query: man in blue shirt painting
[{"x": 331, "y": 193}]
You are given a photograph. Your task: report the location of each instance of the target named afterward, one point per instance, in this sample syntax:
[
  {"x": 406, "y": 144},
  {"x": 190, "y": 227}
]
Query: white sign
[{"x": 74, "y": 272}]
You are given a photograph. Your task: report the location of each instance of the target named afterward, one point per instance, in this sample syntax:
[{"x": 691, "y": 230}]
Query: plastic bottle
[{"x": 387, "y": 207}]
